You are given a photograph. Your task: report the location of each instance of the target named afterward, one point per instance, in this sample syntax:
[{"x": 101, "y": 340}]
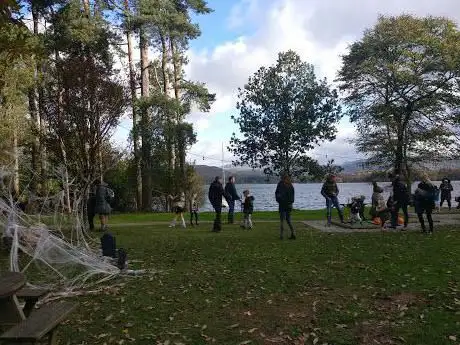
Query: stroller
[{"x": 357, "y": 209}]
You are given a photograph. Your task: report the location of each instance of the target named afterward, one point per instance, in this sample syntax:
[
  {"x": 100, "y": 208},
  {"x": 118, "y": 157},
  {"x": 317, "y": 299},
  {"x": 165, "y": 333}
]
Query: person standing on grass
[
  {"x": 194, "y": 209},
  {"x": 232, "y": 196},
  {"x": 446, "y": 192},
  {"x": 400, "y": 201},
  {"x": 215, "y": 194},
  {"x": 424, "y": 202},
  {"x": 103, "y": 197},
  {"x": 179, "y": 209},
  {"x": 330, "y": 191},
  {"x": 284, "y": 195},
  {"x": 248, "y": 208}
]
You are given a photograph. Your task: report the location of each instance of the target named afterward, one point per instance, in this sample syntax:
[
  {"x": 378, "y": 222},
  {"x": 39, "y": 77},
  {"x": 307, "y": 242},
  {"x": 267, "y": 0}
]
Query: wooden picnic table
[
  {"x": 10, "y": 283},
  {"x": 39, "y": 324}
]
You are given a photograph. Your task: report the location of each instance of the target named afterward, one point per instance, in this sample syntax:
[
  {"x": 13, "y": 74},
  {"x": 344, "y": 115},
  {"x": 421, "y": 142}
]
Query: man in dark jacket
[
  {"x": 284, "y": 195},
  {"x": 232, "y": 196},
  {"x": 424, "y": 202},
  {"x": 215, "y": 194},
  {"x": 400, "y": 201},
  {"x": 446, "y": 192},
  {"x": 330, "y": 191}
]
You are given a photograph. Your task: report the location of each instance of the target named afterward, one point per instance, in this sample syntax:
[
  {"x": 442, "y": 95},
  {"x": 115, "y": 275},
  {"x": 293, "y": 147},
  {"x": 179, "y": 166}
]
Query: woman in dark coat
[
  {"x": 102, "y": 203},
  {"x": 424, "y": 203},
  {"x": 285, "y": 198}
]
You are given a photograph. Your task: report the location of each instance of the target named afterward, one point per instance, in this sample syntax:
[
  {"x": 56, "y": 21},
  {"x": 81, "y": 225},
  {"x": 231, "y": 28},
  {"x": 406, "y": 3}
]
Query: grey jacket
[{"x": 103, "y": 197}]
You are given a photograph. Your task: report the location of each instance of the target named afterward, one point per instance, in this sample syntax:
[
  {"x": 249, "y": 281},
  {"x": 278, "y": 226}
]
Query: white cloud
[
  {"x": 243, "y": 12},
  {"x": 319, "y": 30}
]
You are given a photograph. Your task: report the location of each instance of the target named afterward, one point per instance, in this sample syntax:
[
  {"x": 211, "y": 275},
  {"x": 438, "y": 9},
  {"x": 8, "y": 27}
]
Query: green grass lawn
[
  {"x": 122, "y": 218},
  {"x": 248, "y": 287}
]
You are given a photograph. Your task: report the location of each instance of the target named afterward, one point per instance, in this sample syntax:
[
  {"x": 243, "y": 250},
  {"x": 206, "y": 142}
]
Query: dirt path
[{"x": 439, "y": 220}]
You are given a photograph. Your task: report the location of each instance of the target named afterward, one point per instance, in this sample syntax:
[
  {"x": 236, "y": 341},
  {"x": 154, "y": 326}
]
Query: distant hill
[
  {"x": 354, "y": 166},
  {"x": 208, "y": 173},
  {"x": 354, "y": 171},
  {"x": 360, "y": 166}
]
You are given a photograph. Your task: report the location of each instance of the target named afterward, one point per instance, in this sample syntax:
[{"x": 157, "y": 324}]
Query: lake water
[{"x": 308, "y": 196}]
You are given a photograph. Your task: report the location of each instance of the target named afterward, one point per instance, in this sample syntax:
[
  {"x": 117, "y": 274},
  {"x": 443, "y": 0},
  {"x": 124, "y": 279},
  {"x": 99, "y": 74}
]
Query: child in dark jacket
[{"x": 248, "y": 208}]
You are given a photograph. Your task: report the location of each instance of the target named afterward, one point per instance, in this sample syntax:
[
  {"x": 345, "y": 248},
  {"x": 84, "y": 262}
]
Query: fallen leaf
[
  {"x": 245, "y": 342},
  {"x": 252, "y": 330},
  {"x": 108, "y": 318},
  {"x": 234, "y": 326},
  {"x": 452, "y": 337}
]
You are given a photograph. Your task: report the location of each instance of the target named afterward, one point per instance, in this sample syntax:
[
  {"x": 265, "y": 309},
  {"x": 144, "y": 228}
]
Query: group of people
[
  {"x": 217, "y": 193},
  {"x": 284, "y": 195},
  {"x": 426, "y": 198}
]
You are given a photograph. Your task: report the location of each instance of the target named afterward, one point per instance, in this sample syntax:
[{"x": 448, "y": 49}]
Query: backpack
[
  {"x": 122, "y": 256},
  {"x": 108, "y": 245}
]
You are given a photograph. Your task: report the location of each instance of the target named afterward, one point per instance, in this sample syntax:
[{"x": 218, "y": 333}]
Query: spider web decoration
[{"x": 51, "y": 247}]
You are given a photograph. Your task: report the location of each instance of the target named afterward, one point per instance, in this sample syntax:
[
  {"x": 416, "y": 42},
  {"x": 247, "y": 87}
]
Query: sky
[{"x": 242, "y": 35}]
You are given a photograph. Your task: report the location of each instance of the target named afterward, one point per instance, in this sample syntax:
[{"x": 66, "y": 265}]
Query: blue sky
[{"x": 240, "y": 36}]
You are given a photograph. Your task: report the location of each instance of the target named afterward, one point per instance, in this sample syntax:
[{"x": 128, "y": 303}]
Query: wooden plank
[
  {"x": 31, "y": 296},
  {"x": 11, "y": 313},
  {"x": 10, "y": 282},
  {"x": 31, "y": 293},
  {"x": 40, "y": 323}
]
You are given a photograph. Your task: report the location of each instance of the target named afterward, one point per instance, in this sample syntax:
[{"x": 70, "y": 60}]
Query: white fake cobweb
[{"x": 51, "y": 246}]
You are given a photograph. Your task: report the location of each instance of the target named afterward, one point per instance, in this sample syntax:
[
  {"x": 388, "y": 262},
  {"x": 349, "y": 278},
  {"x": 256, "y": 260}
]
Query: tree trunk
[
  {"x": 66, "y": 179},
  {"x": 169, "y": 117},
  {"x": 35, "y": 117},
  {"x": 132, "y": 84},
  {"x": 42, "y": 134},
  {"x": 86, "y": 7},
  {"x": 59, "y": 102},
  {"x": 399, "y": 154},
  {"x": 145, "y": 124},
  {"x": 15, "y": 162},
  {"x": 180, "y": 136}
]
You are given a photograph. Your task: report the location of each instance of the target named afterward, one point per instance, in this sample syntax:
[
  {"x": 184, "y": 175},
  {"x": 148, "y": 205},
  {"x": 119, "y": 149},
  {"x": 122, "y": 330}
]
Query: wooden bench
[
  {"x": 31, "y": 297},
  {"x": 41, "y": 322}
]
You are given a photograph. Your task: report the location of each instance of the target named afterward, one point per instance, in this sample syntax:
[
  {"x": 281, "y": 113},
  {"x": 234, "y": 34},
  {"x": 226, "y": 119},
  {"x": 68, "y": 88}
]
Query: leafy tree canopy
[
  {"x": 400, "y": 84},
  {"x": 284, "y": 111}
]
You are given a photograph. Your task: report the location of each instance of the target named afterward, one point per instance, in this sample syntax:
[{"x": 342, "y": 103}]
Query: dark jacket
[
  {"x": 424, "y": 197},
  {"x": 284, "y": 195},
  {"x": 329, "y": 189},
  {"x": 446, "y": 189},
  {"x": 248, "y": 205},
  {"x": 215, "y": 194},
  {"x": 400, "y": 192},
  {"x": 103, "y": 198},
  {"x": 230, "y": 190}
]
